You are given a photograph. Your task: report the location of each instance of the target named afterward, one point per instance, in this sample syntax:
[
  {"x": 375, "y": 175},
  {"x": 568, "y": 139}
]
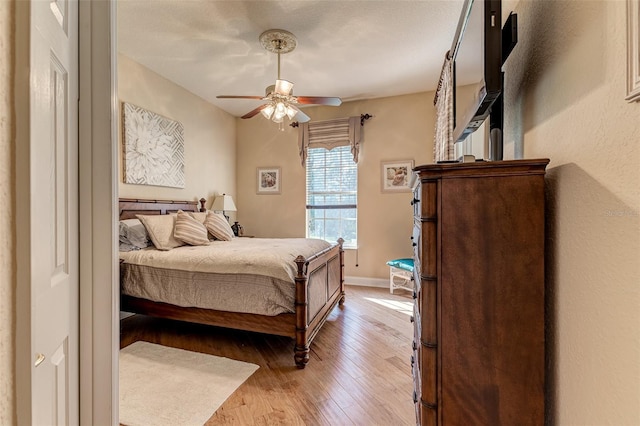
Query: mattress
[{"x": 249, "y": 275}]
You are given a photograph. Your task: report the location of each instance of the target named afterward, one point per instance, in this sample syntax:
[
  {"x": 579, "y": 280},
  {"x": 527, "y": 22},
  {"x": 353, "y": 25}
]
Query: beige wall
[
  {"x": 402, "y": 128},
  {"x": 209, "y": 135},
  {"x": 565, "y": 101},
  {"x": 7, "y": 232}
]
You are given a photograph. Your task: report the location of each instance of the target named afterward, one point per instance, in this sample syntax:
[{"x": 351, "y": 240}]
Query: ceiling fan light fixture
[
  {"x": 280, "y": 112},
  {"x": 291, "y": 112},
  {"x": 268, "y": 111}
]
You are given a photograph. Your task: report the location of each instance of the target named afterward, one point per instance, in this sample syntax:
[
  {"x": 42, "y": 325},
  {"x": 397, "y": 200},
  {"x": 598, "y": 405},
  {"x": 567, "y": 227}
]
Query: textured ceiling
[{"x": 351, "y": 49}]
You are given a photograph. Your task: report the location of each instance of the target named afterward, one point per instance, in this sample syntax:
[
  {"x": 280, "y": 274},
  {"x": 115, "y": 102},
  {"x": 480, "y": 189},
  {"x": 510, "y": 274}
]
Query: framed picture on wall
[
  {"x": 269, "y": 180},
  {"x": 395, "y": 175}
]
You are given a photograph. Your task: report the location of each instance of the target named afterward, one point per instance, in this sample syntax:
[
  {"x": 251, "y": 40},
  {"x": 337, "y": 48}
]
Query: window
[{"x": 332, "y": 192}]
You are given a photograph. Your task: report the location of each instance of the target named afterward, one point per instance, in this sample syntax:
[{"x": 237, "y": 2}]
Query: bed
[{"x": 308, "y": 287}]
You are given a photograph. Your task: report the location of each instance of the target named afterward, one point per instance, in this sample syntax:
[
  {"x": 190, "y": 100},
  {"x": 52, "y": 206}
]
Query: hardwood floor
[{"x": 359, "y": 370}]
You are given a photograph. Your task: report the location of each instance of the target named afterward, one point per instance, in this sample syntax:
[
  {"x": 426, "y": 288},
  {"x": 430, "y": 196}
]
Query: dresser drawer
[
  {"x": 416, "y": 243},
  {"x": 417, "y": 323},
  {"x": 417, "y": 194},
  {"x": 417, "y": 385}
]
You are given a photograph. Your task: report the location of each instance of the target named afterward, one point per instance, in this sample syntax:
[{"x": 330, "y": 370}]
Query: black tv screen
[{"x": 477, "y": 54}]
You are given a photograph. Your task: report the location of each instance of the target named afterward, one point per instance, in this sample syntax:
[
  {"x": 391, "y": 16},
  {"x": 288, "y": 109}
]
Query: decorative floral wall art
[{"x": 153, "y": 148}]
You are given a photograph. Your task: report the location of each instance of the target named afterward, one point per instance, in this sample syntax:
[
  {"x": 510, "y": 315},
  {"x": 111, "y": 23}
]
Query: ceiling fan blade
[
  {"x": 283, "y": 87},
  {"x": 254, "y": 112},
  {"x": 300, "y": 116},
  {"x": 238, "y": 97},
  {"x": 319, "y": 100}
]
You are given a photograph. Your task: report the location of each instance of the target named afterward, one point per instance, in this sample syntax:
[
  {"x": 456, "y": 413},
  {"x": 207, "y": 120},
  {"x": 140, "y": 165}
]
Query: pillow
[
  {"x": 200, "y": 216},
  {"x": 218, "y": 226},
  {"x": 133, "y": 235},
  {"x": 127, "y": 247},
  {"x": 190, "y": 230},
  {"x": 160, "y": 229}
]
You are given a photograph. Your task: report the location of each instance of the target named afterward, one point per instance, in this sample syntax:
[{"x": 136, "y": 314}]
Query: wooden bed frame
[{"x": 319, "y": 288}]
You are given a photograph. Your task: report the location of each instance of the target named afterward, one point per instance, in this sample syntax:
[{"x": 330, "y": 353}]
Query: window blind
[{"x": 332, "y": 192}]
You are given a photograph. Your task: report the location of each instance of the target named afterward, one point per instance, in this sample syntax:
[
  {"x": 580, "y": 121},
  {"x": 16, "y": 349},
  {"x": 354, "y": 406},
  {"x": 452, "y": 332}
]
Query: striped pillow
[
  {"x": 218, "y": 226},
  {"x": 190, "y": 230}
]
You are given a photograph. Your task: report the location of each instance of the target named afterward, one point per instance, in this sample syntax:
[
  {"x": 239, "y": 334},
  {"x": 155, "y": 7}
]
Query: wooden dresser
[{"x": 479, "y": 301}]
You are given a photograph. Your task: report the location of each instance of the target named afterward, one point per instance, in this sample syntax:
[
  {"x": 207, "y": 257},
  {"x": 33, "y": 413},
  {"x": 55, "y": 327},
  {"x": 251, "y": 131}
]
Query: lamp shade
[{"x": 223, "y": 202}]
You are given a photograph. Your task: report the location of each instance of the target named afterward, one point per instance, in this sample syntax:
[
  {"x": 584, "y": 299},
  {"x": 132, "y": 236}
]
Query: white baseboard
[{"x": 367, "y": 282}]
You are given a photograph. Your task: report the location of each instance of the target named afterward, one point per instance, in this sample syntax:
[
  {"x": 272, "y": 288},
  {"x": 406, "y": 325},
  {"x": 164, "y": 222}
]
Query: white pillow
[
  {"x": 218, "y": 226},
  {"x": 160, "y": 229},
  {"x": 190, "y": 230}
]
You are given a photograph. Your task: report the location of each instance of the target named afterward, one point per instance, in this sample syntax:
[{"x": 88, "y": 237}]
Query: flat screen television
[{"x": 477, "y": 54}]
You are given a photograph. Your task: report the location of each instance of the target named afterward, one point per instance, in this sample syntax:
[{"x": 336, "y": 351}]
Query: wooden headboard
[{"x": 129, "y": 207}]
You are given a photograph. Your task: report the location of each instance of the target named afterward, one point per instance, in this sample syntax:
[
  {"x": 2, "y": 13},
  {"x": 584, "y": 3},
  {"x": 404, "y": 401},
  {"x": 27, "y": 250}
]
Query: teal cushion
[{"x": 406, "y": 264}]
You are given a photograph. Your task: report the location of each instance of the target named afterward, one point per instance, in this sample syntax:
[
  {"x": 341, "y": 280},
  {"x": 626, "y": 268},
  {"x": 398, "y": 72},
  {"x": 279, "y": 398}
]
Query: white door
[{"x": 54, "y": 212}]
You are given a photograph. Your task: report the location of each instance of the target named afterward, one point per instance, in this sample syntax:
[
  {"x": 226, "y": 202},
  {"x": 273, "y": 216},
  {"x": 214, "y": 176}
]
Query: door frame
[{"x": 99, "y": 276}]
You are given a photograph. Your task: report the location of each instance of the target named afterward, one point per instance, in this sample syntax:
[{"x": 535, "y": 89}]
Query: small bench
[{"x": 400, "y": 274}]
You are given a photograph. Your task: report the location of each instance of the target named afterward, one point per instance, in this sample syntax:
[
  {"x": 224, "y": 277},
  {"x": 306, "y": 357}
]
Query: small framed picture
[
  {"x": 395, "y": 175},
  {"x": 269, "y": 180}
]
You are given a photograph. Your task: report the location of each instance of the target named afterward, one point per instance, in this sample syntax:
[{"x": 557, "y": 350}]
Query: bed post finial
[{"x": 202, "y": 208}]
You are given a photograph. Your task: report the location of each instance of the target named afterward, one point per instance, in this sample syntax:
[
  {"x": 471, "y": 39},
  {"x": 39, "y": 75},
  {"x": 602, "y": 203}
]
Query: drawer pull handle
[
  {"x": 411, "y": 319},
  {"x": 414, "y": 201},
  {"x": 414, "y": 244},
  {"x": 415, "y": 296},
  {"x": 414, "y": 346},
  {"x": 412, "y": 360},
  {"x": 415, "y": 397}
]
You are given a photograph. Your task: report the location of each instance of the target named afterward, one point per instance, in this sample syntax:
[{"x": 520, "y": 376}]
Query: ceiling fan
[{"x": 279, "y": 99}]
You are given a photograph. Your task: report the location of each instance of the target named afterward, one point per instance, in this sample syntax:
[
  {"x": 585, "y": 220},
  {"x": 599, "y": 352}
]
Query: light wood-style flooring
[{"x": 359, "y": 371}]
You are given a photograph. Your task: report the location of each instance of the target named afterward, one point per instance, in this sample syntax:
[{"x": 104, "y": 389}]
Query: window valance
[{"x": 330, "y": 134}]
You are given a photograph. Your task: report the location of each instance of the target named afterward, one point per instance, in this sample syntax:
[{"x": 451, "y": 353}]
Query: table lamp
[{"x": 224, "y": 203}]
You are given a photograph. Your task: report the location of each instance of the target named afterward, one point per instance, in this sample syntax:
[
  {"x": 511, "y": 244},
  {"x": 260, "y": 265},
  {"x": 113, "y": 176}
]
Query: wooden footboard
[{"x": 319, "y": 288}]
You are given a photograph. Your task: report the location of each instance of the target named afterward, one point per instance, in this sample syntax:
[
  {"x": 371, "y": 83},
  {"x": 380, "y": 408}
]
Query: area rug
[{"x": 160, "y": 385}]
